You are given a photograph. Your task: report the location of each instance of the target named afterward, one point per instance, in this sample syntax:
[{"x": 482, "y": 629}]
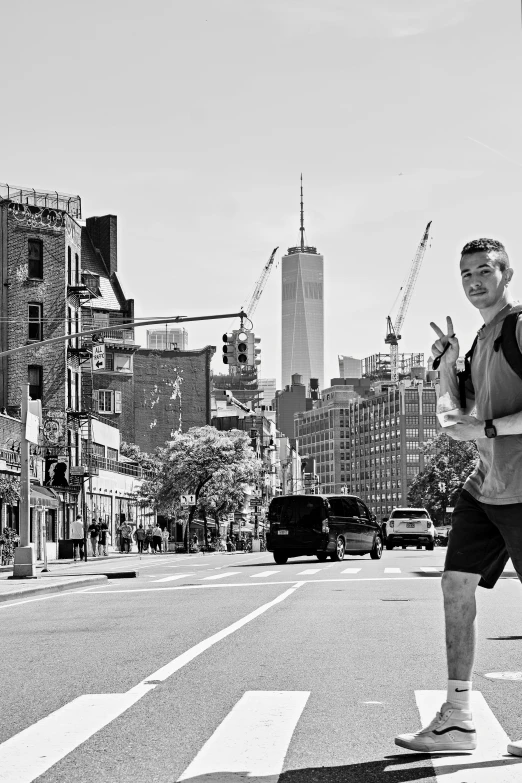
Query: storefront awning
[{"x": 43, "y": 496}]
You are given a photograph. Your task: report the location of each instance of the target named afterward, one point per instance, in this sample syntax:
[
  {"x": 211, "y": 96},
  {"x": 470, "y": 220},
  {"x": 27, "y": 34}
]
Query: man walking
[
  {"x": 486, "y": 529},
  {"x": 94, "y": 530},
  {"x": 76, "y": 533}
]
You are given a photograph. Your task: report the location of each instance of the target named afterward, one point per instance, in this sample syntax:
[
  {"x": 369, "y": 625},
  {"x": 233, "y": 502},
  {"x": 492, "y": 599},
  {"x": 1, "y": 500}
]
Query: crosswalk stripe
[
  {"x": 309, "y": 571},
  {"x": 431, "y": 569},
  {"x": 171, "y": 578},
  {"x": 252, "y": 740},
  {"x": 30, "y": 753},
  {"x": 218, "y": 576},
  {"x": 486, "y": 764},
  {"x": 392, "y": 570},
  {"x": 263, "y": 574},
  {"x": 351, "y": 571}
]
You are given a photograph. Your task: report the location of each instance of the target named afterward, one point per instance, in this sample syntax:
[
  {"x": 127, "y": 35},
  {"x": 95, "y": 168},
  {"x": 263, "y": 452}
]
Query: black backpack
[{"x": 507, "y": 340}]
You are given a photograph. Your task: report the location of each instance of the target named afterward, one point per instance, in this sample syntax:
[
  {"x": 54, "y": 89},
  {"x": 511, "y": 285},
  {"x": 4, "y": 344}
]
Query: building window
[
  {"x": 98, "y": 449},
  {"x": 109, "y": 401},
  {"x": 35, "y": 312},
  {"x": 35, "y": 259},
  {"x": 122, "y": 362},
  {"x": 69, "y": 267},
  {"x": 34, "y": 377},
  {"x": 112, "y": 454}
]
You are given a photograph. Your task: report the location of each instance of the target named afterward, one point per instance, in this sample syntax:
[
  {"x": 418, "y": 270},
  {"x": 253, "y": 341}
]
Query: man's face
[{"x": 483, "y": 282}]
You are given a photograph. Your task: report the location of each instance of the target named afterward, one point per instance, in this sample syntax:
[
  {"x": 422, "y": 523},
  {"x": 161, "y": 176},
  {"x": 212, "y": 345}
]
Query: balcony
[
  {"x": 85, "y": 285},
  {"x": 126, "y": 468}
]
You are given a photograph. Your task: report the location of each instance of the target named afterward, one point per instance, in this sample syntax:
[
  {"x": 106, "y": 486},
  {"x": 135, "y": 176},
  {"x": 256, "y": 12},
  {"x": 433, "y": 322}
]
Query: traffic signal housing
[
  {"x": 242, "y": 348},
  {"x": 253, "y": 351},
  {"x": 229, "y": 349}
]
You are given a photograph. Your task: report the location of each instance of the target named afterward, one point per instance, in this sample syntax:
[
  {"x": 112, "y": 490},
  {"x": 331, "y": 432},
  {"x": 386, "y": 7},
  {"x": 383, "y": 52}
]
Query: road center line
[
  {"x": 37, "y": 748},
  {"x": 252, "y": 740}
]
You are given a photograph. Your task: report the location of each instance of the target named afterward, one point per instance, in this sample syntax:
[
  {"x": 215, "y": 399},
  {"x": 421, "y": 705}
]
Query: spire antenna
[{"x": 302, "y": 218}]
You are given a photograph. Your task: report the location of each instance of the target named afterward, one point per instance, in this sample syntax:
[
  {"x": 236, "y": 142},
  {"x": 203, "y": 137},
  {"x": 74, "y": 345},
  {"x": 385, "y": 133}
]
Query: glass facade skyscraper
[{"x": 302, "y": 312}]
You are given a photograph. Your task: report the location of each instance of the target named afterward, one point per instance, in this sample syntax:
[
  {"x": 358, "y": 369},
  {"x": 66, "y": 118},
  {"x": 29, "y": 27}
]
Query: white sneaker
[
  {"x": 515, "y": 748},
  {"x": 451, "y": 730}
]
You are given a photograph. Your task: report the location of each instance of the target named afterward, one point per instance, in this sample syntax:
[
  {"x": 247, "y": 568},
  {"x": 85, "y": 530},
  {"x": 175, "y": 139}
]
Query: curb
[{"x": 80, "y": 581}]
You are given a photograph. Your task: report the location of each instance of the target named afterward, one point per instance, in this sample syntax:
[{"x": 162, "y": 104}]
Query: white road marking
[
  {"x": 252, "y": 741},
  {"x": 34, "y": 750},
  {"x": 30, "y": 753},
  {"x": 219, "y": 576},
  {"x": 171, "y": 578},
  {"x": 392, "y": 570},
  {"x": 351, "y": 571},
  {"x": 489, "y": 762},
  {"x": 90, "y": 591},
  {"x": 263, "y": 574},
  {"x": 431, "y": 569},
  {"x": 309, "y": 571}
]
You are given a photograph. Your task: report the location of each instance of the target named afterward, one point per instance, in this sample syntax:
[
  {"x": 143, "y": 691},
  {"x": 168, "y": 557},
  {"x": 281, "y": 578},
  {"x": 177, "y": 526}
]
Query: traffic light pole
[{"x": 179, "y": 319}]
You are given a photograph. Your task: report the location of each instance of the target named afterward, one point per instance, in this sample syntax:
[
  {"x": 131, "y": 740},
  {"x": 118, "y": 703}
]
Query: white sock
[{"x": 459, "y": 694}]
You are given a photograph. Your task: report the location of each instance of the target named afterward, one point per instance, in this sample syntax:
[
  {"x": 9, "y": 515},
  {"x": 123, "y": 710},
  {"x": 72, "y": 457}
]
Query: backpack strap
[
  {"x": 509, "y": 343},
  {"x": 464, "y": 375}
]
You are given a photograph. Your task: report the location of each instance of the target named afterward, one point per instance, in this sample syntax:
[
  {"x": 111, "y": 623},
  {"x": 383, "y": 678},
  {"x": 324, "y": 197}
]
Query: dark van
[{"x": 322, "y": 525}]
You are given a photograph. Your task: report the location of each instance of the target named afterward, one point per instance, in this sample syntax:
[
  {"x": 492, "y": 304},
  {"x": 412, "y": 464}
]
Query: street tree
[
  {"x": 448, "y": 463},
  {"x": 207, "y": 463}
]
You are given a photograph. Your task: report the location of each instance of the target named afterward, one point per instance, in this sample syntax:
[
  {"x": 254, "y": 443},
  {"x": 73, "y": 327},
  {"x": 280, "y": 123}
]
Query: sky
[{"x": 192, "y": 122}]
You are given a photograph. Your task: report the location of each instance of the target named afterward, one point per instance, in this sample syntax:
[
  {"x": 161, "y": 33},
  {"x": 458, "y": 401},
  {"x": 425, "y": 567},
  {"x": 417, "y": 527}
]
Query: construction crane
[
  {"x": 258, "y": 290},
  {"x": 393, "y": 331}
]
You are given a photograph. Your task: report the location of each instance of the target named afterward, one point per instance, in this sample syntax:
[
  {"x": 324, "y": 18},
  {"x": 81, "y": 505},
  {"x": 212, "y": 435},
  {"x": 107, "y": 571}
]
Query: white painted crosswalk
[
  {"x": 172, "y": 578},
  {"x": 351, "y": 571},
  {"x": 218, "y": 576},
  {"x": 252, "y": 741},
  {"x": 263, "y": 574}
]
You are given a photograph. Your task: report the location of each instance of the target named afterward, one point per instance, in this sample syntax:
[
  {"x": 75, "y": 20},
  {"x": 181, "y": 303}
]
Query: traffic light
[
  {"x": 229, "y": 349},
  {"x": 242, "y": 347},
  {"x": 253, "y": 352}
]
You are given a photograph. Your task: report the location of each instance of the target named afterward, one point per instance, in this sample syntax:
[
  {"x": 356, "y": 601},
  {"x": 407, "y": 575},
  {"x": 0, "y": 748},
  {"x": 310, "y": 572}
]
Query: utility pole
[{"x": 24, "y": 559}]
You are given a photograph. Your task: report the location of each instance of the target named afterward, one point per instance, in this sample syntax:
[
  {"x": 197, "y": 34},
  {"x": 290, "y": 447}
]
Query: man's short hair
[{"x": 485, "y": 245}]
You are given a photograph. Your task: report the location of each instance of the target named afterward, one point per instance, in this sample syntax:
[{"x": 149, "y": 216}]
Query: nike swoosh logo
[{"x": 461, "y": 690}]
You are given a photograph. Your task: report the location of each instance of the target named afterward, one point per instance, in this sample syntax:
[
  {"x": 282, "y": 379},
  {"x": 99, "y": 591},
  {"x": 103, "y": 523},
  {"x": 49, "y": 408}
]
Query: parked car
[
  {"x": 322, "y": 525},
  {"x": 410, "y": 527}
]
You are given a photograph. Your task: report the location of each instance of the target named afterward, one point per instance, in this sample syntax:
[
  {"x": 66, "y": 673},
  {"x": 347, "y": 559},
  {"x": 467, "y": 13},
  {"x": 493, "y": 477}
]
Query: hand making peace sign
[{"x": 446, "y": 348}]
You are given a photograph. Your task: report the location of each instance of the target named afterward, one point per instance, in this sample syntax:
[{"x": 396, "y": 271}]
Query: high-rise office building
[
  {"x": 350, "y": 367},
  {"x": 167, "y": 339},
  {"x": 302, "y": 312}
]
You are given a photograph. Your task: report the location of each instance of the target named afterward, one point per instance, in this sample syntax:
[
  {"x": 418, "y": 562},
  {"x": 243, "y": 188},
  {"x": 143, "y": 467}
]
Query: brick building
[
  {"x": 58, "y": 274},
  {"x": 370, "y": 446},
  {"x": 171, "y": 391}
]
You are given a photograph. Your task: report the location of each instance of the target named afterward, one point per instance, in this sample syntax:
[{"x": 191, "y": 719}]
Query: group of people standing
[{"x": 153, "y": 538}]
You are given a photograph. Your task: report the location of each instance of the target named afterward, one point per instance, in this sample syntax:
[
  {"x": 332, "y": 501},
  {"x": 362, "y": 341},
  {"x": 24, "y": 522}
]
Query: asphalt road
[{"x": 218, "y": 668}]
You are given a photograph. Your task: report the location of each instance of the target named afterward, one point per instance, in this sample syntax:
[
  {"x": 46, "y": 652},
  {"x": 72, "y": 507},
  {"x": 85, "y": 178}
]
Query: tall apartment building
[
  {"x": 350, "y": 367},
  {"x": 268, "y": 387},
  {"x": 288, "y": 402},
  {"x": 370, "y": 446},
  {"x": 302, "y": 311},
  {"x": 167, "y": 339}
]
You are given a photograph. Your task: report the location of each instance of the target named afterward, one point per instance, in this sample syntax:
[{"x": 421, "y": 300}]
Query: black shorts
[{"x": 483, "y": 537}]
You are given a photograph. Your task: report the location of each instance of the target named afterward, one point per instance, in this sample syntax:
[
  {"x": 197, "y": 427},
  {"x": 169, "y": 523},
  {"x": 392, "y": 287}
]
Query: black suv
[{"x": 322, "y": 525}]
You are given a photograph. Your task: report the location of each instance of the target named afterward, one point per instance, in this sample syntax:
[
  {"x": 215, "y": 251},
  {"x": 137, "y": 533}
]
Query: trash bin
[{"x": 65, "y": 549}]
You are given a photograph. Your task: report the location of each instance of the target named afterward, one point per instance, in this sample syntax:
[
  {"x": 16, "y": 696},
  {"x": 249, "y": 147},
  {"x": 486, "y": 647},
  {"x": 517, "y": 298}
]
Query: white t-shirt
[{"x": 76, "y": 529}]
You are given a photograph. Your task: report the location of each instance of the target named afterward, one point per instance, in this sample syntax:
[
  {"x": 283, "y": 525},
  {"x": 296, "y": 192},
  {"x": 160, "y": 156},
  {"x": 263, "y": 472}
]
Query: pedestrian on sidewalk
[
  {"x": 76, "y": 532},
  {"x": 156, "y": 539},
  {"x": 486, "y": 529},
  {"x": 139, "y": 537},
  {"x": 148, "y": 539},
  {"x": 102, "y": 539},
  {"x": 94, "y": 532},
  {"x": 165, "y": 539},
  {"x": 126, "y": 537}
]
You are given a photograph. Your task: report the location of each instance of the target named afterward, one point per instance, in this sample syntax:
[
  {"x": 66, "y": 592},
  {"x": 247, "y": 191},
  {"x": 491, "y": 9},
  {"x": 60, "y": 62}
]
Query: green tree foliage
[
  {"x": 9, "y": 490},
  {"x": 448, "y": 465},
  {"x": 214, "y": 466}
]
